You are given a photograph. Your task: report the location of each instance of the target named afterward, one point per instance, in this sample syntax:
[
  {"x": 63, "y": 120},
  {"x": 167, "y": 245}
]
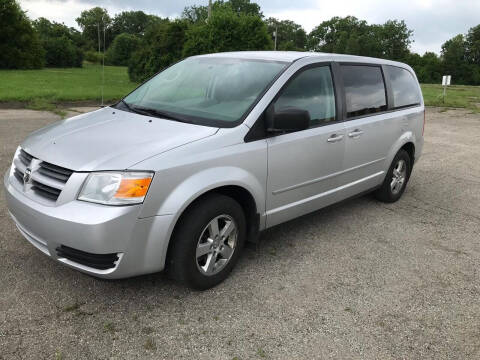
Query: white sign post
[{"x": 446, "y": 79}]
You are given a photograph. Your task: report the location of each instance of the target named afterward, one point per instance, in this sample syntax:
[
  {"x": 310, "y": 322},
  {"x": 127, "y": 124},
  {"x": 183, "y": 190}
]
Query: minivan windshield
[{"x": 213, "y": 91}]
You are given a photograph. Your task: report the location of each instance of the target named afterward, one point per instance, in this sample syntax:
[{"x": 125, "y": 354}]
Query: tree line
[{"x": 148, "y": 43}]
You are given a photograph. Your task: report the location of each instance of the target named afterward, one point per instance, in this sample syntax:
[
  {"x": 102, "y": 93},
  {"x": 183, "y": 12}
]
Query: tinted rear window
[
  {"x": 364, "y": 90},
  {"x": 404, "y": 87}
]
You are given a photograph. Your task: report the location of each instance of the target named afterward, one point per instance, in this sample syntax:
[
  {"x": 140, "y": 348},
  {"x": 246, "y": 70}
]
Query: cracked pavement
[{"x": 361, "y": 280}]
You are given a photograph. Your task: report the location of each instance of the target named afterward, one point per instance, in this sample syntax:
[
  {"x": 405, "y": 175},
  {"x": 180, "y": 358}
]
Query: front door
[{"x": 303, "y": 166}]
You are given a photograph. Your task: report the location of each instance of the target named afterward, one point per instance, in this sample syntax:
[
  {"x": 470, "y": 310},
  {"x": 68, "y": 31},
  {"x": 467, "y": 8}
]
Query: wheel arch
[
  {"x": 240, "y": 184},
  {"x": 406, "y": 142},
  {"x": 409, "y": 147},
  {"x": 236, "y": 192}
]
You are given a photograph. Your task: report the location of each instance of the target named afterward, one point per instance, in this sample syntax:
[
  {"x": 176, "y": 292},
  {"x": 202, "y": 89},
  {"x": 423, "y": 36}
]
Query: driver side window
[{"x": 311, "y": 90}]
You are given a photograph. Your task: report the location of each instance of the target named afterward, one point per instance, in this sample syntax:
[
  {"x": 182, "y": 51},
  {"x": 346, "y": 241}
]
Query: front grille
[
  {"x": 19, "y": 175},
  {"x": 96, "y": 261},
  {"x": 47, "y": 180},
  {"x": 54, "y": 171},
  {"x": 45, "y": 190},
  {"x": 25, "y": 157}
]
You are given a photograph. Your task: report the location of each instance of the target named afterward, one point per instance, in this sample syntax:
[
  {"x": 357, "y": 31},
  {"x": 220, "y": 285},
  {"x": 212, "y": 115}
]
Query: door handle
[
  {"x": 334, "y": 138},
  {"x": 355, "y": 133}
]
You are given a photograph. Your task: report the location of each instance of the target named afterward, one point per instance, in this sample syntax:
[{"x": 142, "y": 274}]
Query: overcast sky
[{"x": 433, "y": 21}]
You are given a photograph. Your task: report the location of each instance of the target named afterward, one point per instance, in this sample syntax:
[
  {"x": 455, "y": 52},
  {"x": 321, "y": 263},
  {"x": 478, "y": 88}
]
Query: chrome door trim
[{"x": 296, "y": 186}]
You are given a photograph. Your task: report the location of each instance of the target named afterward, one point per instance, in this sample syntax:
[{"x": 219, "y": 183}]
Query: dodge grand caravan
[{"x": 199, "y": 159}]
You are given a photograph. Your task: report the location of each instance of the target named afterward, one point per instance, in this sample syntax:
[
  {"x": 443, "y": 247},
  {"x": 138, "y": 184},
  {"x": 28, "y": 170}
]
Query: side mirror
[{"x": 286, "y": 119}]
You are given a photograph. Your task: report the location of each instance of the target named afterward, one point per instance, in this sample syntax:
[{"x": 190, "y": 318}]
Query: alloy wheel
[
  {"x": 216, "y": 245},
  {"x": 399, "y": 176}
]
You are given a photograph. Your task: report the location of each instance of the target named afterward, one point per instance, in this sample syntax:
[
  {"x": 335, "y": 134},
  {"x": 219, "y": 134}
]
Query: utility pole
[
  {"x": 103, "y": 56},
  {"x": 209, "y": 9},
  {"x": 275, "y": 34},
  {"x": 103, "y": 61},
  {"x": 98, "y": 28}
]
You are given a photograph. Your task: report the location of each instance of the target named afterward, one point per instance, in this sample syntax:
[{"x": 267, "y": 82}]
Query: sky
[{"x": 433, "y": 21}]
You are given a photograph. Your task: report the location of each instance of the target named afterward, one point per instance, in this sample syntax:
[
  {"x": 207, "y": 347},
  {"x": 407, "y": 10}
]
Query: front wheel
[
  {"x": 207, "y": 242},
  {"x": 396, "y": 179}
]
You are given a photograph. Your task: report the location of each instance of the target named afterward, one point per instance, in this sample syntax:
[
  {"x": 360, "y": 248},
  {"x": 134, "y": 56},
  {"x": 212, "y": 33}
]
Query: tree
[
  {"x": 227, "y": 31},
  {"x": 160, "y": 47},
  {"x": 473, "y": 45},
  {"x": 196, "y": 14},
  {"x": 429, "y": 68},
  {"x": 132, "y": 22},
  {"x": 245, "y": 7},
  {"x": 350, "y": 35},
  {"x": 290, "y": 36},
  {"x": 339, "y": 35},
  {"x": 121, "y": 50},
  {"x": 20, "y": 46},
  {"x": 454, "y": 56},
  {"x": 62, "y": 52},
  {"x": 61, "y": 43},
  {"x": 90, "y": 21},
  {"x": 394, "y": 38}
]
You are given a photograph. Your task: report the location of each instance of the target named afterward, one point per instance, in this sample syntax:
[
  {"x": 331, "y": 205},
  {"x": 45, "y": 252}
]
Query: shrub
[
  {"x": 94, "y": 57},
  {"x": 61, "y": 43},
  {"x": 161, "y": 46},
  {"x": 121, "y": 50},
  {"x": 20, "y": 46},
  {"x": 62, "y": 52}
]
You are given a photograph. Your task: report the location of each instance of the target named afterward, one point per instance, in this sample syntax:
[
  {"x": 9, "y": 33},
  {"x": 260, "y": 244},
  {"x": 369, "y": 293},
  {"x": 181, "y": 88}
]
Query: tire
[
  {"x": 390, "y": 193},
  {"x": 196, "y": 230}
]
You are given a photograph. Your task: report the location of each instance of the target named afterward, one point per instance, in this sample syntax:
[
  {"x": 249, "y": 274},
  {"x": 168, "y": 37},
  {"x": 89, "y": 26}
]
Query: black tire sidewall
[
  {"x": 386, "y": 189},
  {"x": 183, "y": 260}
]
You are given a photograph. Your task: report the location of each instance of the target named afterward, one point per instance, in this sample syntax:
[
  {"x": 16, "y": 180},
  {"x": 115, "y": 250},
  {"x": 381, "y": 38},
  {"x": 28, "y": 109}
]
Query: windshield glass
[{"x": 206, "y": 90}]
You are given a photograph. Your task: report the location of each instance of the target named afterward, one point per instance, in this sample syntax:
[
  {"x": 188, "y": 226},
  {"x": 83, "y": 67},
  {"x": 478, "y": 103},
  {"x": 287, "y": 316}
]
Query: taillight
[{"x": 423, "y": 129}]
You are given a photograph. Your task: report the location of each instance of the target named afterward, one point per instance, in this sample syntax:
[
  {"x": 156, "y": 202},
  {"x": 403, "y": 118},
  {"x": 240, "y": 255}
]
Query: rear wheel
[
  {"x": 207, "y": 242},
  {"x": 396, "y": 179}
]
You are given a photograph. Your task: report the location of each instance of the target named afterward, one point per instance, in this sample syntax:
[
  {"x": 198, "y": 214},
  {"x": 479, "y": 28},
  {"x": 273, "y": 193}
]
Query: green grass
[
  {"x": 40, "y": 89},
  {"x": 63, "y": 85},
  {"x": 457, "y": 96}
]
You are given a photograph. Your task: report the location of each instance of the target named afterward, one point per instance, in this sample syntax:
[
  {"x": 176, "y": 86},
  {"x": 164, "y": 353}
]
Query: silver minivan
[{"x": 199, "y": 159}]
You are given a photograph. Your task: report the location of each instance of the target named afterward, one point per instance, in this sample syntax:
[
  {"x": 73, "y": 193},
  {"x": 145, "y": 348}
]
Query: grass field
[
  {"x": 71, "y": 84},
  {"x": 457, "y": 96},
  {"x": 40, "y": 88}
]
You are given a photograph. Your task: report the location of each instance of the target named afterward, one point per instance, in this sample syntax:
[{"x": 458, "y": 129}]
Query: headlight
[{"x": 116, "y": 188}]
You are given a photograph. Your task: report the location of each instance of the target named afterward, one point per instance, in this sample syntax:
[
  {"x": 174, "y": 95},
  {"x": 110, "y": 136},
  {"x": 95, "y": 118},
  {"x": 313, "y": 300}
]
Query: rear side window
[
  {"x": 404, "y": 87},
  {"x": 364, "y": 90},
  {"x": 311, "y": 90}
]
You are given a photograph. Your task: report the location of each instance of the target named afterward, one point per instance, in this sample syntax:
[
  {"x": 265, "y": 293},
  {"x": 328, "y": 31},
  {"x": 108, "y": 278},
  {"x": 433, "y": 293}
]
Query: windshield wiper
[
  {"x": 159, "y": 113},
  {"x": 134, "y": 109},
  {"x": 124, "y": 103}
]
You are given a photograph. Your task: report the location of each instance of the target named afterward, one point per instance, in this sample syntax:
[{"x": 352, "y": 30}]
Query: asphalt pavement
[{"x": 362, "y": 280}]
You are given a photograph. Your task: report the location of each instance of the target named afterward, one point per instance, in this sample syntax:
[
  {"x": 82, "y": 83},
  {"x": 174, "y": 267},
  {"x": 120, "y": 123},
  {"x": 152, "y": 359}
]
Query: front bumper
[{"x": 140, "y": 243}]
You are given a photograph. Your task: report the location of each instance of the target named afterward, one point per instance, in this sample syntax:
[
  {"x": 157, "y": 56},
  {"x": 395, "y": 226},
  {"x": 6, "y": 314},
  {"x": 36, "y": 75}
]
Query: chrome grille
[{"x": 47, "y": 180}]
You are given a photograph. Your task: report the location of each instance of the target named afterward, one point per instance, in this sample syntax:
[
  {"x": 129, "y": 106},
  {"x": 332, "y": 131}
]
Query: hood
[{"x": 110, "y": 139}]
